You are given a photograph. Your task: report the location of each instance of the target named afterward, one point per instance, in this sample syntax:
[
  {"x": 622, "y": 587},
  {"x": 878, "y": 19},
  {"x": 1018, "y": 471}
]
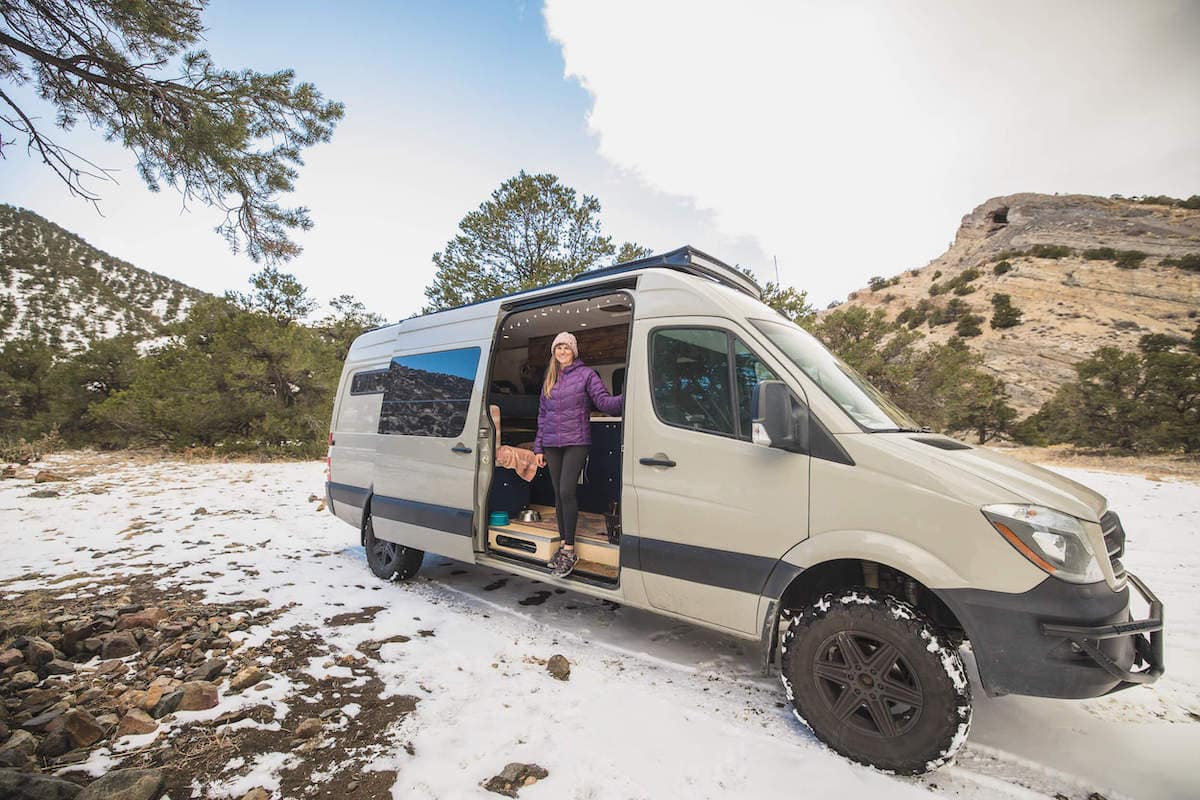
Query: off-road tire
[
  {"x": 875, "y": 680},
  {"x": 389, "y": 560}
]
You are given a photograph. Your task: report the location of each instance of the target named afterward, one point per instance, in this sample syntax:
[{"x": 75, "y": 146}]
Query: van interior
[{"x": 601, "y": 326}]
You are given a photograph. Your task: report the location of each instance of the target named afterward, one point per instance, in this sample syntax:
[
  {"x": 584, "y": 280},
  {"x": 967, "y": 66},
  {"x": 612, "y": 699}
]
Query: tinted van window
[
  {"x": 368, "y": 382},
  {"x": 689, "y": 379},
  {"x": 428, "y": 394}
]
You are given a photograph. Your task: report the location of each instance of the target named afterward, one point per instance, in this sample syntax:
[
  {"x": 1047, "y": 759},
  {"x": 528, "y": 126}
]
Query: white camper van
[{"x": 756, "y": 485}]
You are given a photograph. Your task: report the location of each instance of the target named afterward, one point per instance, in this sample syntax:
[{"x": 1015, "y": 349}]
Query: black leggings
[{"x": 565, "y": 464}]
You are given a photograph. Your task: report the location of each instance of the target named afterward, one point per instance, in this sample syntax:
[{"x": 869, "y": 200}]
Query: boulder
[
  {"x": 118, "y": 645},
  {"x": 246, "y": 678},
  {"x": 136, "y": 723},
  {"x": 75, "y": 633},
  {"x": 146, "y": 618},
  {"x": 20, "y": 742},
  {"x": 559, "y": 667},
  {"x": 308, "y": 728},
  {"x": 59, "y": 666},
  {"x": 82, "y": 728},
  {"x": 17, "y": 785},
  {"x": 208, "y": 670},
  {"x": 23, "y": 680},
  {"x": 166, "y": 704},
  {"x": 198, "y": 696},
  {"x": 513, "y": 777},
  {"x": 39, "y": 652},
  {"x": 42, "y": 721},
  {"x": 49, "y": 476},
  {"x": 55, "y": 744},
  {"x": 125, "y": 784},
  {"x": 9, "y": 472},
  {"x": 43, "y": 493},
  {"x": 11, "y": 657}
]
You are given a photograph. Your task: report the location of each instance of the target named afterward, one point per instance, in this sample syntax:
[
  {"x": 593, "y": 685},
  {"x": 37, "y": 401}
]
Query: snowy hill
[{"x": 56, "y": 287}]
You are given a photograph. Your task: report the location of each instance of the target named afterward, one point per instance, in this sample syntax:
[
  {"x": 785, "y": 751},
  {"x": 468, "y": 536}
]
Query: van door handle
[
  {"x": 460, "y": 448},
  {"x": 656, "y": 462}
]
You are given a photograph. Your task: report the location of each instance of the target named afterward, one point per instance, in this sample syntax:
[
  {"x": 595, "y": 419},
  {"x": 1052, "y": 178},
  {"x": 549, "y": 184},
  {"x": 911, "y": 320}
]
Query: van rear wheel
[
  {"x": 389, "y": 560},
  {"x": 877, "y": 681}
]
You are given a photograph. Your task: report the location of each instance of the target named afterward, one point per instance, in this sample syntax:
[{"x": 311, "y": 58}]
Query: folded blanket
[{"x": 523, "y": 461}]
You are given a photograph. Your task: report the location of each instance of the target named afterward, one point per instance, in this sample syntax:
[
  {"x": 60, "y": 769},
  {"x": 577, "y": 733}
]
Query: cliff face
[{"x": 1072, "y": 301}]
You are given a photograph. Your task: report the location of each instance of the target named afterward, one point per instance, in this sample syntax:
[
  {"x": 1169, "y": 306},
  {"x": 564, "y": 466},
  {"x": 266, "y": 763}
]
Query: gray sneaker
[{"x": 563, "y": 563}]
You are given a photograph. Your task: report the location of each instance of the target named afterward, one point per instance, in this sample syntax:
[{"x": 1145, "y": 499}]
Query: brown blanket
[{"x": 523, "y": 461}]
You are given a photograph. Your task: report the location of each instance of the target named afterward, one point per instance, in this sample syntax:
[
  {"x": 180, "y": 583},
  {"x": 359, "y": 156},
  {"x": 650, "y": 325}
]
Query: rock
[
  {"x": 23, "y": 680},
  {"x": 9, "y": 471},
  {"x": 59, "y": 666},
  {"x": 20, "y": 742},
  {"x": 38, "y": 652},
  {"x": 49, "y": 476},
  {"x": 308, "y": 728},
  {"x": 147, "y": 618},
  {"x": 136, "y": 723},
  {"x": 559, "y": 667},
  {"x": 208, "y": 670},
  {"x": 15, "y": 759},
  {"x": 82, "y": 727},
  {"x": 89, "y": 695},
  {"x": 43, "y": 493},
  {"x": 4, "y": 731},
  {"x": 11, "y": 657},
  {"x": 513, "y": 777},
  {"x": 197, "y": 696},
  {"x": 167, "y": 704},
  {"x": 75, "y": 633},
  {"x": 246, "y": 678},
  {"x": 118, "y": 645},
  {"x": 55, "y": 744},
  {"x": 201, "y": 511},
  {"x": 17, "y": 785},
  {"x": 125, "y": 784},
  {"x": 42, "y": 721},
  {"x": 257, "y": 793}
]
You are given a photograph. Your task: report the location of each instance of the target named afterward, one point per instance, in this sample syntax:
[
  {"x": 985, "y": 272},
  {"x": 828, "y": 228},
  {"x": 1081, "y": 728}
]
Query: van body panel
[
  {"x": 885, "y": 505},
  {"x": 425, "y": 485},
  {"x": 711, "y": 524}
]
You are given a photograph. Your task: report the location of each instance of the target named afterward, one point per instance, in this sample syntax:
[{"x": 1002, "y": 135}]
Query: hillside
[
  {"x": 55, "y": 286},
  {"x": 1072, "y": 301}
]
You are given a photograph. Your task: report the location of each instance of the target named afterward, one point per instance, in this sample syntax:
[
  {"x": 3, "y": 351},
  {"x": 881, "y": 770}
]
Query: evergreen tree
[
  {"x": 74, "y": 385},
  {"x": 277, "y": 294},
  {"x": 630, "y": 251},
  {"x": 968, "y": 326},
  {"x": 533, "y": 231},
  {"x": 349, "y": 319},
  {"x": 1004, "y": 313},
  {"x": 229, "y": 139}
]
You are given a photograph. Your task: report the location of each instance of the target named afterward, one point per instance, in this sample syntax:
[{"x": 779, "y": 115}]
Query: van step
[
  {"x": 516, "y": 539},
  {"x": 596, "y": 569}
]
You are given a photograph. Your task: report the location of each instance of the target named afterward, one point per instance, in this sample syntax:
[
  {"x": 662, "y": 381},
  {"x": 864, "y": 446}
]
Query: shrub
[
  {"x": 937, "y": 274},
  {"x": 1049, "y": 251},
  {"x": 935, "y": 289},
  {"x": 1190, "y": 262},
  {"x": 1004, "y": 313},
  {"x": 1002, "y": 268},
  {"x": 963, "y": 289},
  {"x": 1100, "y": 254},
  {"x": 968, "y": 326},
  {"x": 1192, "y": 202},
  {"x": 877, "y": 283},
  {"x": 1130, "y": 259}
]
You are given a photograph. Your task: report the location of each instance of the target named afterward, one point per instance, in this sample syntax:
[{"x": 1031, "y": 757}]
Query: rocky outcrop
[{"x": 1071, "y": 305}]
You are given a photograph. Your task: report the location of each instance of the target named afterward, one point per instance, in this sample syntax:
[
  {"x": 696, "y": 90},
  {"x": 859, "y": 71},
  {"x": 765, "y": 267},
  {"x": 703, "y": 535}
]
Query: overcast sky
[{"x": 844, "y": 139}]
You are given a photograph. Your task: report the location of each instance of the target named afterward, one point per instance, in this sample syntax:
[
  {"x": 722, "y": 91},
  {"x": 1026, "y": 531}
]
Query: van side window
[
  {"x": 428, "y": 394},
  {"x": 748, "y": 371},
  {"x": 690, "y": 379},
  {"x": 368, "y": 382}
]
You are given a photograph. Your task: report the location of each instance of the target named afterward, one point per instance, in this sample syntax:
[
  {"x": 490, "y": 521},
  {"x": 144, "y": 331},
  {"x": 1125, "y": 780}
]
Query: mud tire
[
  {"x": 389, "y": 560},
  {"x": 908, "y": 707}
]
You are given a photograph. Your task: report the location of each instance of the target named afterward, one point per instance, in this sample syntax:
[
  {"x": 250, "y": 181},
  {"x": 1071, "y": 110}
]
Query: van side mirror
[{"x": 779, "y": 421}]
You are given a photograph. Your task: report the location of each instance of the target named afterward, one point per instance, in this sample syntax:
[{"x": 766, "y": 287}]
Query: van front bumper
[{"x": 1061, "y": 639}]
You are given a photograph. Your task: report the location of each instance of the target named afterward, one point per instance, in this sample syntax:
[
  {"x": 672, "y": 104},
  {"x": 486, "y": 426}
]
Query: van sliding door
[{"x": 426, "y": 456}]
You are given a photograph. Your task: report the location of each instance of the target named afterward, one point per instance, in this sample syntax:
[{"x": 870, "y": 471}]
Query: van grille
[{"x": 1114, "y": 542}]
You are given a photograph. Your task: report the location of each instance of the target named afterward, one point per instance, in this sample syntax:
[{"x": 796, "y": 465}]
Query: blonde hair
[{"x": 553, "y": 373}]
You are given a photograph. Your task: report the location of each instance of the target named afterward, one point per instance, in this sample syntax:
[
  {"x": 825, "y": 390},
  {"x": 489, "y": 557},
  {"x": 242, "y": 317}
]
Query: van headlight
[{"x": 1054, "y": 541}]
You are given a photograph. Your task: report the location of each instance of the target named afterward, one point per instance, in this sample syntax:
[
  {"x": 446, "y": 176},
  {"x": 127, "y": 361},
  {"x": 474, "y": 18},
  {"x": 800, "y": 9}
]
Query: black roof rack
[{"x": 684, "y": 259}]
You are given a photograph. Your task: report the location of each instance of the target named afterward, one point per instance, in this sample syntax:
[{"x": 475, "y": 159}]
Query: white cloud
[{"x": 849, "y": 138}]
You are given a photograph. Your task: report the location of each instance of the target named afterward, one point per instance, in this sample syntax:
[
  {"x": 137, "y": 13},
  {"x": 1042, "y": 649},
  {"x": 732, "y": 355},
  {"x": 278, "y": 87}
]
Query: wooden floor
[
  {"x": 590, "y": 534},
  {"x": 588, "y": 526}
]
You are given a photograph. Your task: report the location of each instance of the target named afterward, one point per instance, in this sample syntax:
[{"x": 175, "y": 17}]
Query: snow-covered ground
[{"x": 653, "y": 708}]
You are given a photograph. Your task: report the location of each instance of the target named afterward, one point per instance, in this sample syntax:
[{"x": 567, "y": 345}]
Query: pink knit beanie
[{"x": 568, "y": 338}]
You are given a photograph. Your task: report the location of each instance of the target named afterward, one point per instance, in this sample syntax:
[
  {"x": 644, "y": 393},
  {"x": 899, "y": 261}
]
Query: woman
[{"x": 570, "y": 391}]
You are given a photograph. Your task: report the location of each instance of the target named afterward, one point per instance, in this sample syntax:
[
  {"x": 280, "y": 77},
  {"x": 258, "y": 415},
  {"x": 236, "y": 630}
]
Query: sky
[{"x": 830, "y": 141}]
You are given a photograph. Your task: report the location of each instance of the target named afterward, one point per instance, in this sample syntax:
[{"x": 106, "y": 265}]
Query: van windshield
[{"x": 862, "y": 401}]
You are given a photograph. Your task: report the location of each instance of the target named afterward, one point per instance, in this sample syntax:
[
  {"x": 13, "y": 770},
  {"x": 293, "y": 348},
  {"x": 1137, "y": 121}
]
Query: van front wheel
[
  {"x": 389, "y": 560},
  {"x": 877, "y": 681}
]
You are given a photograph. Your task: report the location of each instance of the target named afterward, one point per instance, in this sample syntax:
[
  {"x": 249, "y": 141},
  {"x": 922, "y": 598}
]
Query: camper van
[{"x": 753, "y": 484}]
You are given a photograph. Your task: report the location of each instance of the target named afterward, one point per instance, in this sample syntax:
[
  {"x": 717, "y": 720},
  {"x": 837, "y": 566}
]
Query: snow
[{"x": 654, "y": 707}]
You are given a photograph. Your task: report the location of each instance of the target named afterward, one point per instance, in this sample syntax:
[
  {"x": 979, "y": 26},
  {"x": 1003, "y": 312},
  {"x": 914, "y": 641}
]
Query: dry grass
[{"x": 1163, "y": 466}]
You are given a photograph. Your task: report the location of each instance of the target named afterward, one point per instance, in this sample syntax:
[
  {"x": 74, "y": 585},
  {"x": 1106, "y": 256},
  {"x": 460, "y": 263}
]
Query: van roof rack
[{"x": 685, "y": 259}]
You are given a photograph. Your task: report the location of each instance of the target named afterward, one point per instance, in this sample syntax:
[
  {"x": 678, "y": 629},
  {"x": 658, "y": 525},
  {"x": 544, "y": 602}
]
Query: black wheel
[
  {"x": 877, "y": 681},
  {"x": 389, "y": 560}
]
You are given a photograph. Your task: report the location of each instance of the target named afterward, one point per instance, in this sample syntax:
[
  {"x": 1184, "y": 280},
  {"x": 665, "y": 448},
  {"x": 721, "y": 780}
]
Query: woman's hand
[{"x": 541, "y": 459}]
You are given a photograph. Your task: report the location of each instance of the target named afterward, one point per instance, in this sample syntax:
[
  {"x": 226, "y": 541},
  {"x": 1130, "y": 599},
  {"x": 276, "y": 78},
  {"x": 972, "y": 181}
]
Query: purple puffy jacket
[{"x": 563, "y": 416}]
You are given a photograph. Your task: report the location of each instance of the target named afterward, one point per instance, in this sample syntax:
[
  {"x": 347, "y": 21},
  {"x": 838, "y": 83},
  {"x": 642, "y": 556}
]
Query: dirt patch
[
  {"x": 354, "y": 617},
  {"x": 1153, "y": 467}
]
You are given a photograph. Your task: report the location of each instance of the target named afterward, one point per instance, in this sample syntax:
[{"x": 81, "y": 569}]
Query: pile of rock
[{"x": 111, "y": 672}]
